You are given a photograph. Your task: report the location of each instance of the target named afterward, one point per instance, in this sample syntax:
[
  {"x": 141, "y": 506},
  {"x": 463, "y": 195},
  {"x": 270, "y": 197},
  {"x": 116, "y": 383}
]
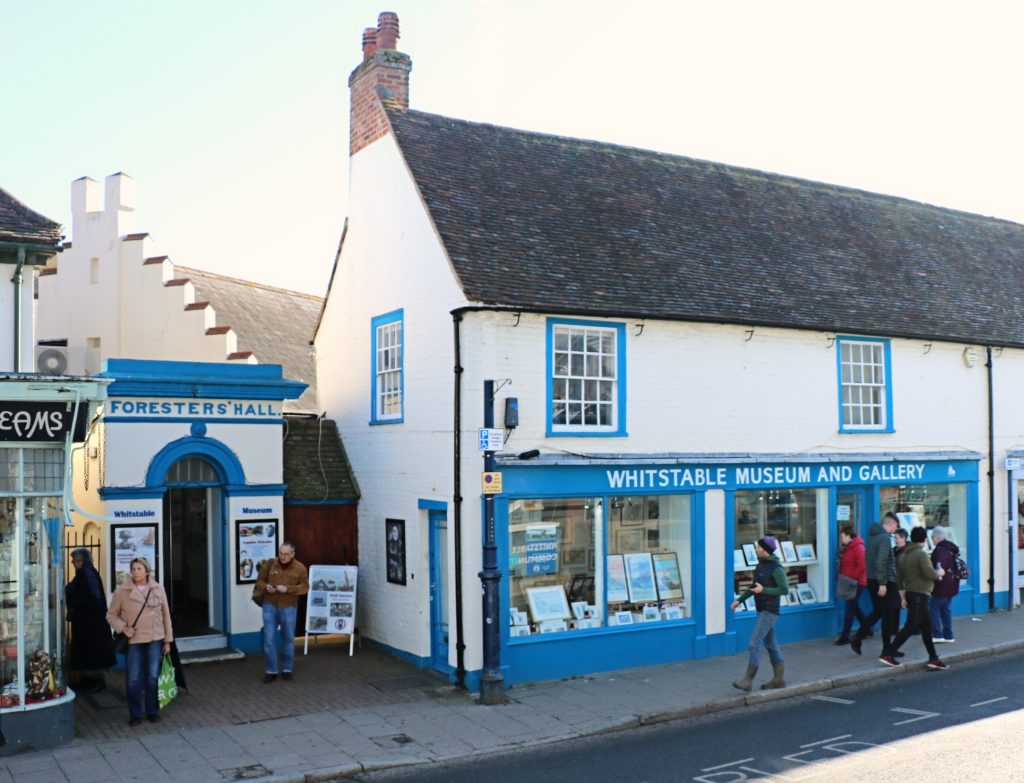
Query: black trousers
[
  {"x": 886, "y": 609},
  {"x": 919, "y": 620}
]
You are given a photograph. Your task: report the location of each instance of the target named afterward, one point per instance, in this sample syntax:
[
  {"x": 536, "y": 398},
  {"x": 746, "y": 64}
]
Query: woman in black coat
[{"x": 90, "y": 648}]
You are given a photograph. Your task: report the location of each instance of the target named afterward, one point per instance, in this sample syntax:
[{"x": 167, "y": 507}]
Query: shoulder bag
[
  {"x": 257, "y": 594},
  {"x": 120, "y": 641},
  {"x": 846, "y": 587}
]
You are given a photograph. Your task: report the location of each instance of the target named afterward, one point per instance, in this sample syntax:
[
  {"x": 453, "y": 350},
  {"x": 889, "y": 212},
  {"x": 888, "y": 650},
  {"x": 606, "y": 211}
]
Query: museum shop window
[
  {"x": 579, "y": 563},
  {"x": 928, "y": 505},
  {"x": 798, "y": 519}
]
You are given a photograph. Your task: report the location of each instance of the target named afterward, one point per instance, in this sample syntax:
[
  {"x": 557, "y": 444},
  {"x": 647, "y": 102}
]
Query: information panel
[{"x": 331, "y": 608}]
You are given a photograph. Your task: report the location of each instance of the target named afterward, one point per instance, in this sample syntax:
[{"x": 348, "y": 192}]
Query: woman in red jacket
[{"x": 851, "y": 563}]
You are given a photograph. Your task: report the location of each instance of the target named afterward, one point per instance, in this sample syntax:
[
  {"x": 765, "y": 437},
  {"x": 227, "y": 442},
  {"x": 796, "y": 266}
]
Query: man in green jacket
[
  {"x": 915, "y": 578},
  {"x": 769, "y": 584}
]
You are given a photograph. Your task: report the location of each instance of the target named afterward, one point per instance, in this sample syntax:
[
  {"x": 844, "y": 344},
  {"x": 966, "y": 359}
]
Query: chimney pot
[
  {"x": 369, "y": 42},
  {"x": 387, "y": 30}
]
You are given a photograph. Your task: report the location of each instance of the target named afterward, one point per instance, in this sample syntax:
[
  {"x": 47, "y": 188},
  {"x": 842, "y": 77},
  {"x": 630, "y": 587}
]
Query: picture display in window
[
  {"x": 649, "y": 556},
  {"x": 583, "y": 384},
  {"x": 552, "y": 579},
  {"x": 928, "y": 505},
  {"x": 793, "y": 517}
]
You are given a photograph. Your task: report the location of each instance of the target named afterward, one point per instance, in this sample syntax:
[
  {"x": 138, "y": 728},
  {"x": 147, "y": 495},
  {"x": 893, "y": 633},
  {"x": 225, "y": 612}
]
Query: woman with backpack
[{"x": 945, "y": 555}]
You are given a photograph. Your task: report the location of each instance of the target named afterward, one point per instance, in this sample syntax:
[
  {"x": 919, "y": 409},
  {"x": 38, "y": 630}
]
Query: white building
[{"x": 699, "y": 355}]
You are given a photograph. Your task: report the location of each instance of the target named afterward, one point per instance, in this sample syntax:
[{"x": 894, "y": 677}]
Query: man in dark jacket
[
  {"x": 944, "y": 555},
  {"x": 881, "y": 568},
  {"x": 769, "y": 585},
  {"x": 915, "y": 578}
]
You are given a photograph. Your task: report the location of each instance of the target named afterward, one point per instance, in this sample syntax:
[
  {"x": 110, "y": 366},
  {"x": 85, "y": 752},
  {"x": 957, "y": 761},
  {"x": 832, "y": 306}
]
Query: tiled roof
[
  {"x": 315, "y": 465},
  {"x": 18, "y": 223},
  {"x": 553, "y": 224},
  {"x": 274, "y": 324}
]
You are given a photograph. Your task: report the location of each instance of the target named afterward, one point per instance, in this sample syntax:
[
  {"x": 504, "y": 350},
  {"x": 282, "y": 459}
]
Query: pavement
[{"x": 342, "y": 716}]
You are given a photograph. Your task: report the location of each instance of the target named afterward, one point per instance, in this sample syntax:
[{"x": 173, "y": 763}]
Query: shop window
[
  {"x": 585, "y": 378},
  {"x": 552, "y": 552},
  {"x": 31, "y": 586},
  {"x": 387, "y": 375},
  {"x": 865, "y": 392},
  {"x": 648, "y": 567},
  {"x": 566, "y": 574},
  {"x": 798, "y": 519},
  {"x": 928, "y": 505}
]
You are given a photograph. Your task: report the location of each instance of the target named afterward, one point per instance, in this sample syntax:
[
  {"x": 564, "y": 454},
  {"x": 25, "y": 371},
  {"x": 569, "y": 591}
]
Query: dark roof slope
[
  {"x": 315, "y": 465},
  {"x": 18, "y": 223},
  {"x": 275, "y": 324},
  {"x": 563, "y": 225}
]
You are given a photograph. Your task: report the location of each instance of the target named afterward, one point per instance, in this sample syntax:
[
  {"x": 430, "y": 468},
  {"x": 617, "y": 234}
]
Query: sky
[{"x": 232, "y": 115}]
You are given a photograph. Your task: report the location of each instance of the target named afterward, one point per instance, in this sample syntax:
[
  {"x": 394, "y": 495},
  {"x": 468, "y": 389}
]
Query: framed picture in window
[
  {"x": 739, "y": 561},
  {"x": 629, "y": 540},
  {"x": 793, "y": 599},
  {"x": 806, "y": 593},
  {"x": 667, "y": 576},
  {"x": 615, "y": 584},
  {"x": 750, "y": 554},
  {"x": 640, "y": 577},
  {"x": 634, "y": 512},
  {"x": 789, "y": 551},
  {"x": 548, "y": 603},
  {"x": 805, "y": 552}
]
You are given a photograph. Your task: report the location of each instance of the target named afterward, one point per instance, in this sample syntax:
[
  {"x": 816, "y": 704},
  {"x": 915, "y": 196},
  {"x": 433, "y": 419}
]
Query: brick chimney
[{"x": 381, "y": 79}]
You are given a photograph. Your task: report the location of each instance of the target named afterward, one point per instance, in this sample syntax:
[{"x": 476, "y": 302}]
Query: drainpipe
[
  {"x": 991, "y": 488},
  {"x": 460, "y": 644},
  {"x": 17, "y": 309}
]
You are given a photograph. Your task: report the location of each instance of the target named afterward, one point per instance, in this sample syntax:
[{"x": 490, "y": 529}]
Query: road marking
[
  {"x": 921, "y": 715},
  {"x": 990, "y": 701},
  {"x": 834, "y": 699},
  {"x": 728, "y": 764},
  {"x": 822, "y": 742}
]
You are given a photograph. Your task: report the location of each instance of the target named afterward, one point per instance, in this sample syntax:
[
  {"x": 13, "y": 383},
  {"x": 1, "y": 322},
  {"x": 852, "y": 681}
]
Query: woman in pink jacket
[
  {"x": 140, "y": 611},
  {"x": 851, "y": 563}
]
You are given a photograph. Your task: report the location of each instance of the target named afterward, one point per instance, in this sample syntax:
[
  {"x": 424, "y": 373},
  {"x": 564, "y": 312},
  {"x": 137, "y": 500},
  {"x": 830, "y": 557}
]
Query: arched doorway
[{"x": 193, "y": 547}]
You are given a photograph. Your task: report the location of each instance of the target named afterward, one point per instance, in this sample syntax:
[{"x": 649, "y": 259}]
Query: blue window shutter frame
[
  {"x": 375, "y": 323},
  {"x": 887, "y": 354}
]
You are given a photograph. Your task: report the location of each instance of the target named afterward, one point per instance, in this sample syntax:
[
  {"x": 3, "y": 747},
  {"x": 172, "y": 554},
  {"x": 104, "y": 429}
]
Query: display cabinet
[{"x": 31, "y": 585}]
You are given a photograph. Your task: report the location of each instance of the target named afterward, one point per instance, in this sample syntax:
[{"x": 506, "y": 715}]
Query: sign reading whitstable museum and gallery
[{"x": 41, "y": 422}]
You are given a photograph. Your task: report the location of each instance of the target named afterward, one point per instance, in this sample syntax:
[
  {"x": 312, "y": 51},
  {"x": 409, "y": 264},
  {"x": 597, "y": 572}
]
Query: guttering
[
  {"x": 992, "y": 490},
  {"x": 460, "y": 642},
  {"x": 16, "y": 280}
]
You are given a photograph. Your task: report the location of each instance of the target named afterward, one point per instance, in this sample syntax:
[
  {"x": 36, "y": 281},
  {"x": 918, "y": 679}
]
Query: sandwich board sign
[{"x": 331, "y": 607}]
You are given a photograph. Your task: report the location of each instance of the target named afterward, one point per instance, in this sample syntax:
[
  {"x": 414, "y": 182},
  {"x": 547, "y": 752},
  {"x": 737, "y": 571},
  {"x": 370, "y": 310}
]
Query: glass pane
[
  {"x": 551, "y": 566},
  {"x": 44, "y": 470},
  {"x": 9, "y": 470},
  {"x": 649, "y": 571},
  {"x": 928, "y": 505}
]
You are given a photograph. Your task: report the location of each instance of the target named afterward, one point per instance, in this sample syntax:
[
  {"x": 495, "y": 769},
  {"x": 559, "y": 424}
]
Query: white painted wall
[
  {"x": 26, "y": 320},
  {"x": 392, "y": 259},
  {"x": 126, "y": 305}
]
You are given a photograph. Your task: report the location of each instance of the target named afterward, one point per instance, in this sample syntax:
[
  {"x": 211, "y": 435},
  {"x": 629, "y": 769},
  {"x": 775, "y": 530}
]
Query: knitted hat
[{"x": 768, "y": 544}]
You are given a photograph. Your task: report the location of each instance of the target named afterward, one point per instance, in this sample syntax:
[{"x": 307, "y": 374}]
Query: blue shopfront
[{"x": 630, "y": 561}]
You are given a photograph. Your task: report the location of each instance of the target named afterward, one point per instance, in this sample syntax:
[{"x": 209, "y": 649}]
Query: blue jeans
[
  {"x": 853, "y": 610},
  {"x": 142, "y": 668},
  {"x": 942, "y": 618},
  {"x": 764, "y": 631},
  {"x": 279, "y": 624}
]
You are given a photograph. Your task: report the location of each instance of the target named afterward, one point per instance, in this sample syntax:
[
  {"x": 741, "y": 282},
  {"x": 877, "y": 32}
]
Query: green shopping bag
[{"x": 166, "y": 687}]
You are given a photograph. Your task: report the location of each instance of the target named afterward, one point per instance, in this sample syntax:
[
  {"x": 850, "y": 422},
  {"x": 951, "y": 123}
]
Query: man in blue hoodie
[
  {"x": 769, "y": 584},
  {"x": 881, "y": 567}
]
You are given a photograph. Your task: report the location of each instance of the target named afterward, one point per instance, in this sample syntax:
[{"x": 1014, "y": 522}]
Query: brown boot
[
  {"x": 748, "y": 680},
  {"x": 778, "y": 681}
]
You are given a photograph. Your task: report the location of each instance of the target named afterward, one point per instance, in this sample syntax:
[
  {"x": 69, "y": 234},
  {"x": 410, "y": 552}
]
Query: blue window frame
[
  {"x": 387, "y": 363},
  {"x": 864, "y": 368},
  {"x": 586, "y": 378}
]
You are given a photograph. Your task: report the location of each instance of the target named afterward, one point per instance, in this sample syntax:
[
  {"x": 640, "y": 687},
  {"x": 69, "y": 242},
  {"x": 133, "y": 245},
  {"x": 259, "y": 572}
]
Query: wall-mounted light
[{"x": 970, "y": 356}]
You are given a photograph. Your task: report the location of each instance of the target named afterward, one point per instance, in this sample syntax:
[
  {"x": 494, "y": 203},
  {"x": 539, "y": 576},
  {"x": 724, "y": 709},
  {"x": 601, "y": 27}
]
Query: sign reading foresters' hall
[{"x": 41, "y": 422}]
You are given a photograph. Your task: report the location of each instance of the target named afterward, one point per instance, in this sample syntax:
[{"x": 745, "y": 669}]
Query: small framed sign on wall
[{"x": 394, "y": 538}]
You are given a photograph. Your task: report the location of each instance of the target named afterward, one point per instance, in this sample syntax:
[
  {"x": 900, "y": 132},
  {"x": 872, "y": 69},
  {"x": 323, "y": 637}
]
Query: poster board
[
  {"x": 331, "y": 607},
  {"x": 255, "y": 543},
  {"x": 394, "y": 535},
  {"x": 128, "y": 542}
]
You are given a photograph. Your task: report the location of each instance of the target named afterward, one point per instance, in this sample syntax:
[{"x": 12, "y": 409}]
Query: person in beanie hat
[{"x": 769, "y": 585}]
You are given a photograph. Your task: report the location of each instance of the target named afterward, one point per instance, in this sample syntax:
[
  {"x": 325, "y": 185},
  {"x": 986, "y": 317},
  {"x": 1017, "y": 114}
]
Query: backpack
[{"x": 959, "y": 569}]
